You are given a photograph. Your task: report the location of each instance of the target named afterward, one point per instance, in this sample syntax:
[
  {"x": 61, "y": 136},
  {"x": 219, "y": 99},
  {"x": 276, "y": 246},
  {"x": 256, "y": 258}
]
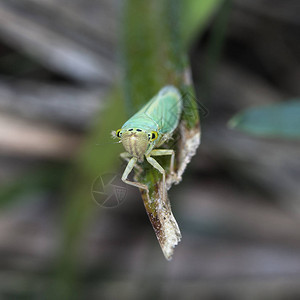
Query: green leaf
[{"x": 277, "y": 120}]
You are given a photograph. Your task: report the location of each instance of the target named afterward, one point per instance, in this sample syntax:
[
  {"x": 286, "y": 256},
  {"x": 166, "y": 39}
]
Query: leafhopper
[{"x": 141, "y": 136}]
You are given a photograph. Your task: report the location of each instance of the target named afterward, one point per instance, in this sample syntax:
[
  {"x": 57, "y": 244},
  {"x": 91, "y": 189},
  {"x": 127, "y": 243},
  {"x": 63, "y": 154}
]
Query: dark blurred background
[{"x": 238, "y": 206}]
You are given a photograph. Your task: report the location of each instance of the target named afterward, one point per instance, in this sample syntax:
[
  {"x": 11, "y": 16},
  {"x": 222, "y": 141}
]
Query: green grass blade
[
  {"x": 98, "y": 156},
  {"x": 46, "y": 178},
  {"x": 195, "y": 17},
  {"x": 154, "y": 56}
]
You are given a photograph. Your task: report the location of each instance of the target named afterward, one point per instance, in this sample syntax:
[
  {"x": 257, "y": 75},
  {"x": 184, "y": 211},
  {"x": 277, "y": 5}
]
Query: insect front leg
[
  {"x": 128, "y": 169},
  {"x": 127, "y": 156}
]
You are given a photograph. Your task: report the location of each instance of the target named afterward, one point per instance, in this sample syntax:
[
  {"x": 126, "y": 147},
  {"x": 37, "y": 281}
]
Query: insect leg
[
  {"x": 161, "y": 152},
  {"x": 126, "y": 156},
  {"x": 158, "y": 167},
  {"x": 128, "y": 169}
]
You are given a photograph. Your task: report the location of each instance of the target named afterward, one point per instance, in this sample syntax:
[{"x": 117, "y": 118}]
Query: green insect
[{"x": 148, "y": 129}]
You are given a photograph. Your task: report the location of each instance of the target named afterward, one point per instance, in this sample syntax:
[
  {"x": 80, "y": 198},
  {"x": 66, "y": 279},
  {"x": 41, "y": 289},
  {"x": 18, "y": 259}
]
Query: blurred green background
[{"x": 73, "y": 71}]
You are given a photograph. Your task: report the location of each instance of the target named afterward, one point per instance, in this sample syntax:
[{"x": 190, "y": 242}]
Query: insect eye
[
  {"x": 154, "y": 135},
  {"x": 118, "y": 133}
]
